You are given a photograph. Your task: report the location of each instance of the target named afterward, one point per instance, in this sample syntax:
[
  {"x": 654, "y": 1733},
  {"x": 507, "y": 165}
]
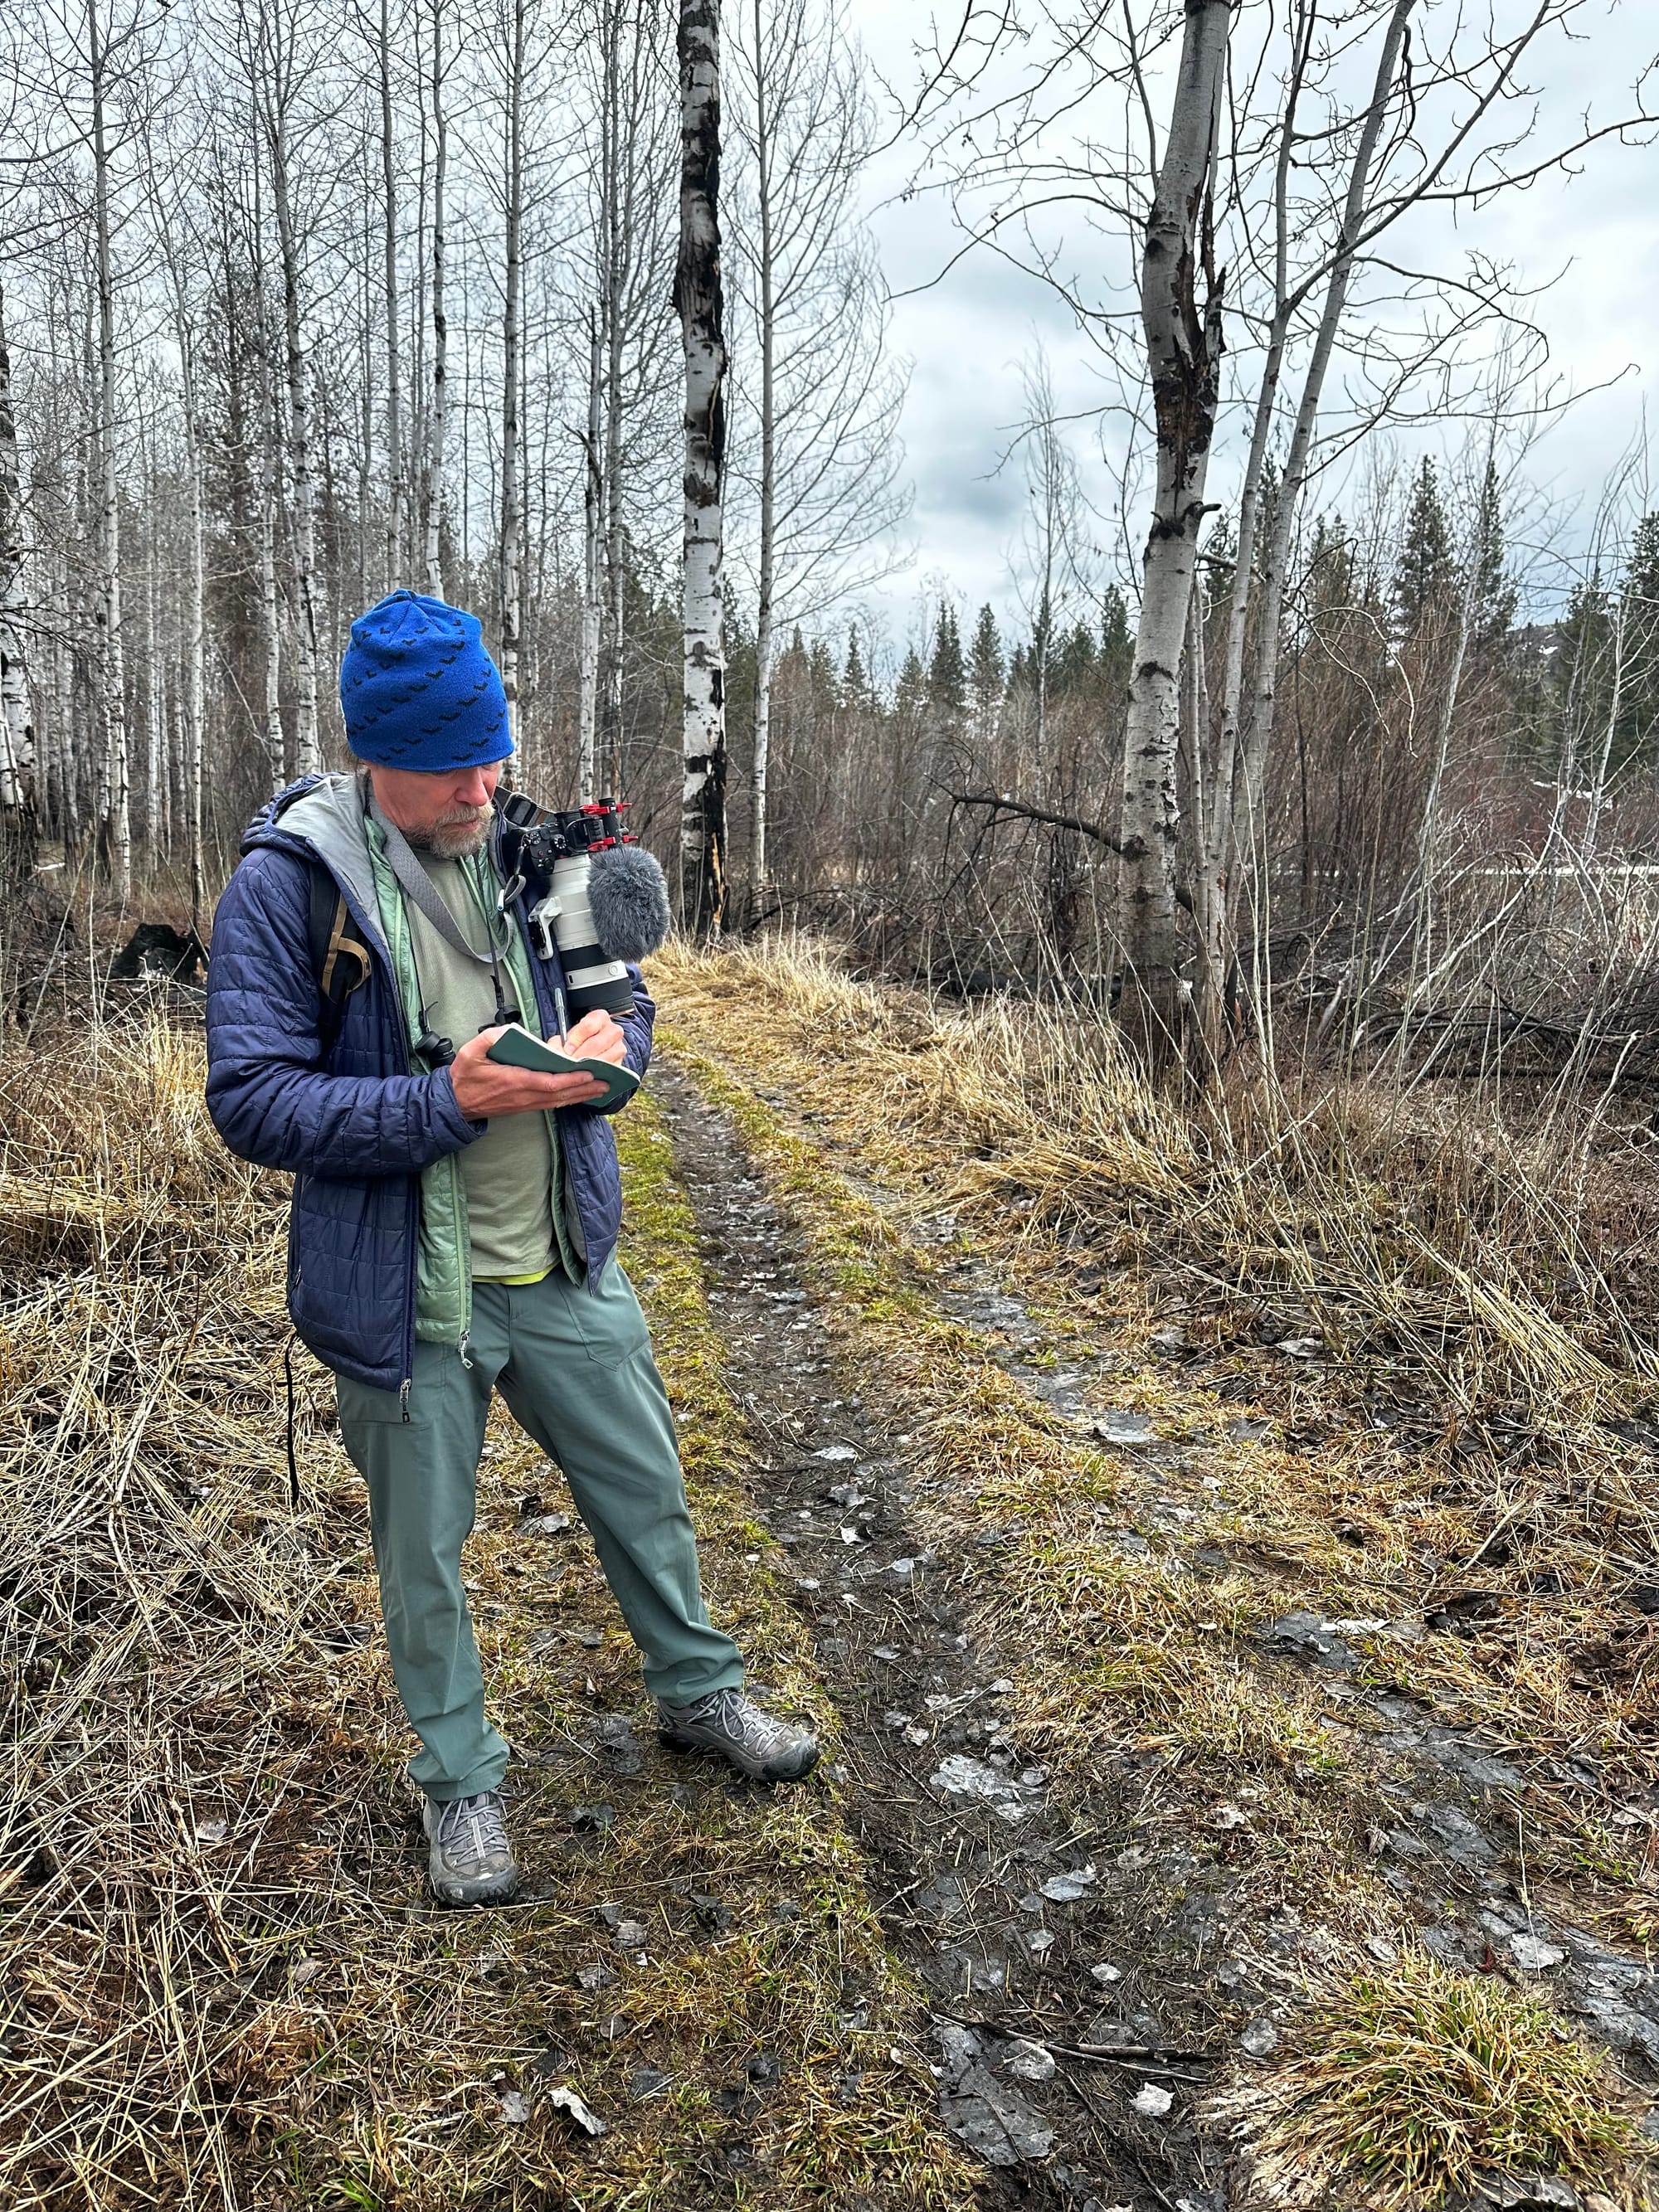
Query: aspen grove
[
  {"x": 575, "y": 316},
  {"x": 296, "y": 307}
]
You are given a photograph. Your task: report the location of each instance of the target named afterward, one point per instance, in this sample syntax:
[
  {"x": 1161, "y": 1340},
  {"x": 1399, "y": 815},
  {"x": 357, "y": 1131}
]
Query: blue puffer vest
[{"x": 352, "y": 1124}]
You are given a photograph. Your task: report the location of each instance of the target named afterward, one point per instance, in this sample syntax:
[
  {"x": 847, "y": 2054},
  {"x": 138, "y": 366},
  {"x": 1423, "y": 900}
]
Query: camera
[{"x": 595, "y": 894}]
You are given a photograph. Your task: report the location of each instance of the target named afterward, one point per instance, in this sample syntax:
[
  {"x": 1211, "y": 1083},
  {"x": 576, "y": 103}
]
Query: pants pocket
[{"x": 608, "y": 1320}]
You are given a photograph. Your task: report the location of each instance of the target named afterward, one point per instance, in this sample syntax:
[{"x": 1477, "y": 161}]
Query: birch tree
[
  {"x": 1320, "y": 274},
  {"x": 115, "y": 765},
  {"x": 1234, "y": 786},
  {"x": 592, "y": 560},
  {"x": 1053, "y": 534},
  {"x": 634, "y": 434},
  {"x": 263, "y": 428},
  {"x": 284, "y": 51},
  {"x": 394, "y": 426},
  {"x": 697, "y": 296},
  {"x": 509, "y": 532},
  {"x": 17, "y": 764},
  {"x": 438, "y": 396},
  {"x": 1181, "y": 314},
  {"x": 180, "y": 246}
]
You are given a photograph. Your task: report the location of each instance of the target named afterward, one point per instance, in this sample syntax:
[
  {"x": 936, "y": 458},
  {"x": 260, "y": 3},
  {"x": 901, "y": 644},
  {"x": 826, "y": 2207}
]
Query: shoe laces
[
  {"x": 478, "y": 1821},
  {"x": 739, "y": 1717}
]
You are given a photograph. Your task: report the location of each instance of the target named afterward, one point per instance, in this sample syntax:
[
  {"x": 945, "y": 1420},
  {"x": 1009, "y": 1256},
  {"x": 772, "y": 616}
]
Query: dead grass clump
[{"x": 1404, "y": 2086}]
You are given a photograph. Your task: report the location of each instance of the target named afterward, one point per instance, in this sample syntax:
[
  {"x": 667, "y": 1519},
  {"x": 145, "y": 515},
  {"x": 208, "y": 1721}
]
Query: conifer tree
[
  {"x": 985, "y": 670},
  {"x": 854, "y": 683},
  {"x": 1075, "y": 658},
  {"x": 1638, "y": 674},
  {"x": 947, "y": 674},
  {"x": 1582, "y": 674},
  {"x": 1424, "y": 573},
  {"x": 911, "y": 691},
  {"x": 821, "y": 671},
  {"x": 1495, "y": 596},
  {"x": 1116, "y": 640}
]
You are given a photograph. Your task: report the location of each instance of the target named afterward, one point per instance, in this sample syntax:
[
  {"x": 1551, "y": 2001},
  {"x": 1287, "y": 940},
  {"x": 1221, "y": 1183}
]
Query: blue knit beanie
[{"x": 418, "y": 690}]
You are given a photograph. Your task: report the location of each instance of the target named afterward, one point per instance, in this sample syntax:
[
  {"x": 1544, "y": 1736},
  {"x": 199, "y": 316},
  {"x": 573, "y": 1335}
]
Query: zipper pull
[{"x": 403, "y": 1389}]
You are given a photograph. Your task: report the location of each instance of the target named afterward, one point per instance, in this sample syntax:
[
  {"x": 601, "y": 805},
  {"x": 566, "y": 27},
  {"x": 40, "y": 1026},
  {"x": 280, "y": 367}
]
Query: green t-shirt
[{"x": 507, "y": 1173}]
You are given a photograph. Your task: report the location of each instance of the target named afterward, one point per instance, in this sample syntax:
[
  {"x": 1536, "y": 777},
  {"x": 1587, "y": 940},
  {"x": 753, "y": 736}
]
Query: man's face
[{"x": 446, "y": 812}]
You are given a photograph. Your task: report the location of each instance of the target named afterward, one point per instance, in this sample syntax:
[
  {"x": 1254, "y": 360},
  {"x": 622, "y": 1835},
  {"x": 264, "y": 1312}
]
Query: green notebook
[{"x": 517, "y": 1048}]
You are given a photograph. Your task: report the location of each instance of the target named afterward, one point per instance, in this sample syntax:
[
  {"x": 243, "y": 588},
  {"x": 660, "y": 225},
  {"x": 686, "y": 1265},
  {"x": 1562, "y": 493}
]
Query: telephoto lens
[
  {"x": 602, "y": 899},
  {"x": 592, "y": 978}
]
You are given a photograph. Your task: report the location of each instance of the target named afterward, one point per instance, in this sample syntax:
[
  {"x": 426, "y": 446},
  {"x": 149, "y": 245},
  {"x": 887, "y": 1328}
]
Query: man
[{"x": 454, "y": 1220}]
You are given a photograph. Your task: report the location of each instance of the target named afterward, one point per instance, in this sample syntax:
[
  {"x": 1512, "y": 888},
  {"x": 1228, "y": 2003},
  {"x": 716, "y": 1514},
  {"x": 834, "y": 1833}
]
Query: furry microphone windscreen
[{"x": 629, "y": 899}]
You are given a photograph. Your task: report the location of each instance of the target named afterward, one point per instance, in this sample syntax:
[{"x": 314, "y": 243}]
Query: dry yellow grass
[
  {"x": 225, "y": 1985},
  {"x": 1452, "y": 1295},
  {"x": 1404, "y": 2087},
  {"x": 1114, "y": 1651},
  {"x": 870, "y": 1114}
]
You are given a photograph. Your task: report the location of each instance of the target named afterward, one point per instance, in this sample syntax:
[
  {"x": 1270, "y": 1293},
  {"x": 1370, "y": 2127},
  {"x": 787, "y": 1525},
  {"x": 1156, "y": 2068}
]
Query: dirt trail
[
  {"x": 1141, "y": 1919},
  {"x": 1009, "y": 1911}
]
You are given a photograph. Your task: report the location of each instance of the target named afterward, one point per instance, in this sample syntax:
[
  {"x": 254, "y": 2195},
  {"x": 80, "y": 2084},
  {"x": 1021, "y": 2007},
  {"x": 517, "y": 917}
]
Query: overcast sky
[{"x": 1596, "y": 233}]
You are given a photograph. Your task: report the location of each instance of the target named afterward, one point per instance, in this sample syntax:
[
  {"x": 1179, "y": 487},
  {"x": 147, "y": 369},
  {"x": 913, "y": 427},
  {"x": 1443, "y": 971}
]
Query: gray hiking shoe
[
  {"x": 727, "y": 1722},
  {"x": 472, "y": 1862}
]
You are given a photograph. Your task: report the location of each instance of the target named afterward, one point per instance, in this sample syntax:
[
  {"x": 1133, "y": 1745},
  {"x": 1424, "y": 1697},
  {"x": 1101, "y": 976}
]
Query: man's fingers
[
  {"x": 571, "y": 1089},
  {"x": 484, "y": 1087},
  {"x": 599, "y": 1034}
]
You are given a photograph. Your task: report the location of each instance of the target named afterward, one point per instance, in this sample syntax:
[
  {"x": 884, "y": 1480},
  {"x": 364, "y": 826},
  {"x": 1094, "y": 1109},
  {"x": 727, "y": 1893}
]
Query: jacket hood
[{"x": 322, "y": 817}]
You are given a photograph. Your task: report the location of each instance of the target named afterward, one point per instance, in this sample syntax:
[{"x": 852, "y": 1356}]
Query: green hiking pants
[{"x": 576, "y": 1371}]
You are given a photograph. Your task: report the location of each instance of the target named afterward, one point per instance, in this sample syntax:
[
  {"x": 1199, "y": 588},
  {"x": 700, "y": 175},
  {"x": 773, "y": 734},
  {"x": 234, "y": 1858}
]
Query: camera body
[{"x": 548, "y": 853}]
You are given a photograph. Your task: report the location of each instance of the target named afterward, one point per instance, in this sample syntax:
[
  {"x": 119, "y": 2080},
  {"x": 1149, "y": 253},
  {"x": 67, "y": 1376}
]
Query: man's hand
[
  {"x": 598, "y": 1036},
  {"x": 485, "y": 1088}
]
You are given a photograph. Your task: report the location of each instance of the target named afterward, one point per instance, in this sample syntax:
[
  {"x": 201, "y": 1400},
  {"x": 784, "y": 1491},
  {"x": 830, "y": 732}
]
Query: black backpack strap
[{"x": 339, "y": 959}]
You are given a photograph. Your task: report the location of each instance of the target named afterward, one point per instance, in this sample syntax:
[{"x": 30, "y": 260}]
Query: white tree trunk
[
  {"x": 60, "y": 745},
  {"x": 195, "y": 642},
  {"x": 507, "y": 544},
  {"x": 1183, "y": 344},
  {"x": 307, "y": 755},
  {"x": 394, "y": 398},
  {"x": 592, "y": 543},
  {"x": 698, "y": 297},
  {"x": 114, "y": 768},
  {"x": 614, "y": 235},
  {"x": 17, "y": 791},
  {"x": 155, "y": 809},
  {"x": 435, "y": 423},
  {"x": 768, "y": 549},
  {"x": 269, "y": 616},
  {"x": 1235, "y": 808}
]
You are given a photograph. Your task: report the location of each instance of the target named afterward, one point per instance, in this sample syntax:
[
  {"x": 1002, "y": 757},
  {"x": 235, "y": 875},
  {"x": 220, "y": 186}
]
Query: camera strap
[{"x": 417, "y": 886}]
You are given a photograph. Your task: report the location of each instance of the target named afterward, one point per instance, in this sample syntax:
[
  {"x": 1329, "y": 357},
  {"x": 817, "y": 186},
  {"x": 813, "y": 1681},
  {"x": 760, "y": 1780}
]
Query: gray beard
[{"x": 450, "y": 841}]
